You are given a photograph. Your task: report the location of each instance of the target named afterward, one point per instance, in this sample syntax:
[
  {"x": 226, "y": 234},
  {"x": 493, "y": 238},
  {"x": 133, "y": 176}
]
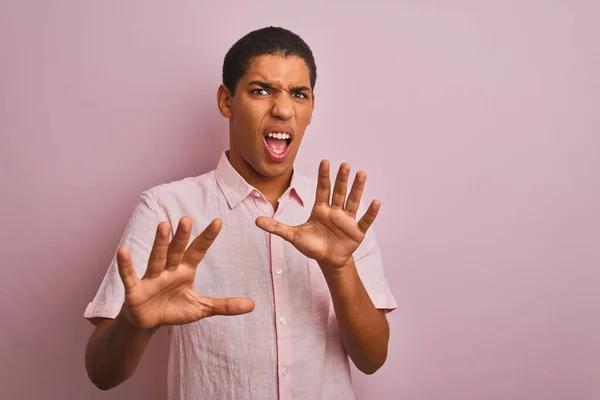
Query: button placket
[{"x": 282, "y": 316}]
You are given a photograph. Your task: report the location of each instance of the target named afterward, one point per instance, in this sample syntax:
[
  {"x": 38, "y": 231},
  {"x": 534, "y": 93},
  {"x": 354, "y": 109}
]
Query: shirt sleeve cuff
[
  {"x": 102, "y": 310},
  {"x": 385, "y": 302}
]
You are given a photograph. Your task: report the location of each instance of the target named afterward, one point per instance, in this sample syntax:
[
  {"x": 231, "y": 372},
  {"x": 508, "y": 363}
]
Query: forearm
[
  {"x": 114, "y": 351},
  {"x": 364, "y": 329}
]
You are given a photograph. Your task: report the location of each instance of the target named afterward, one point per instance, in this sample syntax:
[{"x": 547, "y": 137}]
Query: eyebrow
[{"x": 266, "y": 85}]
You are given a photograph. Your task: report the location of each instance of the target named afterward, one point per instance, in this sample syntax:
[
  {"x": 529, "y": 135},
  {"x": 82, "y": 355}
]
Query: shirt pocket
[{"x": 321, "y": 302}]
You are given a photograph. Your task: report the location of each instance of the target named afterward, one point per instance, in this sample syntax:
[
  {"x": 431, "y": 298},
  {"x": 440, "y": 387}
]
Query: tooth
[
  {"x": 270, "y": 134},
  {"x": 279, "y": 136},
  {"x": 285, "y": 136}
]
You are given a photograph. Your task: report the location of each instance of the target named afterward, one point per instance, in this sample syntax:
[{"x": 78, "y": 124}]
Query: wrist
[
  {"x": 123, "y": 319},
  {"x": 336, "y": 271}
]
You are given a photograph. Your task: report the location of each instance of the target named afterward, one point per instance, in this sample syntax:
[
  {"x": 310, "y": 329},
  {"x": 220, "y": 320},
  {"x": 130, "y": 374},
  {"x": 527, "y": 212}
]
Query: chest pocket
[{"x": 322, "y": 304}]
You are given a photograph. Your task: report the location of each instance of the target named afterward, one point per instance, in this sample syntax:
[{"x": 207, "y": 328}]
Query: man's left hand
[{"x": 332, "y": 234}]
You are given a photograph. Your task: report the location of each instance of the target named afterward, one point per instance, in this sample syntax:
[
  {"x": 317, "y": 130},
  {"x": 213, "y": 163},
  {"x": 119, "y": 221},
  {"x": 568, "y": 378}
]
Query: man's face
[{"x": 272, "y": 106}]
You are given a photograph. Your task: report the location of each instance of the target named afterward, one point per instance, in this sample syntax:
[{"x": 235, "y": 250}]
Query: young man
[{"x": 292, "y": 281}]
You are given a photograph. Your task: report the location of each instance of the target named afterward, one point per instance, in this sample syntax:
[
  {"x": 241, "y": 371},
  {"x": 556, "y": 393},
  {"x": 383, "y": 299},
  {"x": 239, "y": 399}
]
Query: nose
[{"x": 283, "y": 106}]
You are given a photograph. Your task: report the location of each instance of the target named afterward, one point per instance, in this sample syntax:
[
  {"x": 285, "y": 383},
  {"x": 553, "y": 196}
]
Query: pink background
[{"x": 479, "y": 126}]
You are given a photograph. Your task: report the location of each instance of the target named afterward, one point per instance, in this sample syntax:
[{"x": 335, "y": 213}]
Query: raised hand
[
  {"x": 165, "y": 295},
  {"x": 332, "y": 234}
]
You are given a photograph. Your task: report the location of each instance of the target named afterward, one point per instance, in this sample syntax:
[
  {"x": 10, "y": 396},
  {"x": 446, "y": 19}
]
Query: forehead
[{"x": 277, "y": 69}]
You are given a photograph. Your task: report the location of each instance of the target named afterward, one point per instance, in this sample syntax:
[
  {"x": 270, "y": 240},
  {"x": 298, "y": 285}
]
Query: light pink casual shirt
[{"x": 289, "y": 347}]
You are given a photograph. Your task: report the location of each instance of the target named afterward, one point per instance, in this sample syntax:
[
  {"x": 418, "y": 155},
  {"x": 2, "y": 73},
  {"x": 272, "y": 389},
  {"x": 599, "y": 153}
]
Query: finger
[
  {"x": 230, "y": 306},
  {"x": 158, "y": 255},
  {"x": 277, "y": 228},
  {"x": 197, "y": 250},
  {"x": 126, "y": 270},
  {"x": 323, "y": 184},
  {"x": 341, "y": 185},
  {"x": 179, "y": 243},
  {"x": 367, "y": 220},
  {"x": 356, "y": 193}
]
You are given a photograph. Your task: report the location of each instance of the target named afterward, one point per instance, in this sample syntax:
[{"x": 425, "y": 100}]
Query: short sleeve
[
  {"x": 138, "y": 237},
  {"x": 369, "y": 264}
]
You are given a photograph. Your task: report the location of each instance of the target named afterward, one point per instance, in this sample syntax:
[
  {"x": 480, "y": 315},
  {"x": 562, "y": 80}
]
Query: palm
[
  {"x": 332, "y": 234},
  {"x": 324, "y": 238},
  {"x": 166, "y": 295},
  {"x": 180, "y": 304}
]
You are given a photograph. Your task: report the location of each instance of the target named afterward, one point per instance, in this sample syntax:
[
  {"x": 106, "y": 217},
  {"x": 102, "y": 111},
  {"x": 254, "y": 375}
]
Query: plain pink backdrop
[{"x": 479, "y": 127}]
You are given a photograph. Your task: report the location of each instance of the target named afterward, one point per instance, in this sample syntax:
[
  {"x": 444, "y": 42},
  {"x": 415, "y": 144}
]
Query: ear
[
  {"x": 224, "y": 99},
  {"x": 313, "y": 108}
]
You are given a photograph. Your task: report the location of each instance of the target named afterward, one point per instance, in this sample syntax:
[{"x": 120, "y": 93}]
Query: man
[{"x": 292, "y": 281}]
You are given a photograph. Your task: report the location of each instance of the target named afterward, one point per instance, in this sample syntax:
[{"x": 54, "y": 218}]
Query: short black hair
[{"x": 270, "y": 40}]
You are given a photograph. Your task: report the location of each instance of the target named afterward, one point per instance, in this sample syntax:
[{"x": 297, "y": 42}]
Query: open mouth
[{"x": 278, "y": 144}]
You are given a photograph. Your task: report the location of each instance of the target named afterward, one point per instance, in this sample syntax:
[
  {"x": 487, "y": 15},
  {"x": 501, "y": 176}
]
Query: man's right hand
[{"x": 165, "y": 295}]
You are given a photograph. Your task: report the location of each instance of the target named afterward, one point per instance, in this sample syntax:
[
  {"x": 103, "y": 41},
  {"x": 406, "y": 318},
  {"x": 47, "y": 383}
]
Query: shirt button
[
  {"x": 284, "y": 372},
  {"x": 278, "y": 271},
  {"x": 282, "y": 320},
  {"x": 256, "y": 194}
]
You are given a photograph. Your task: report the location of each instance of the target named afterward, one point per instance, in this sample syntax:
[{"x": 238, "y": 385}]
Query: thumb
[
  {"x": 277, "y": 228},
  {"x": 230, "y": 306}
]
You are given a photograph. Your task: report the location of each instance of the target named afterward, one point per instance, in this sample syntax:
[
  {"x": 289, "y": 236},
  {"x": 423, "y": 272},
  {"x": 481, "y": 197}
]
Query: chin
[{"x": 272, "y": 169}]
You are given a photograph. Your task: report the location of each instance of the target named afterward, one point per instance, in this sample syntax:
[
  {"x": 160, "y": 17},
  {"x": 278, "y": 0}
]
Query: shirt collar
[{"x": 235, "y": 188}]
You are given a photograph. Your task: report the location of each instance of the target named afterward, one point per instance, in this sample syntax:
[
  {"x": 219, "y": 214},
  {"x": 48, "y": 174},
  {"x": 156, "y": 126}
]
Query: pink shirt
[{"x": 289, "y": 347}]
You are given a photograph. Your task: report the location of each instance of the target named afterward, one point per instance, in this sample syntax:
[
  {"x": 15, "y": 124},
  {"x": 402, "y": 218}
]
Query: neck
[{"x": 271, "y": 187}]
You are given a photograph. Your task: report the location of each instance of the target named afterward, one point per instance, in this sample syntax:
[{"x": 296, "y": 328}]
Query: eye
[
  {"x": 260, "y": 92},
  {"x": 299, "y": 95}
]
